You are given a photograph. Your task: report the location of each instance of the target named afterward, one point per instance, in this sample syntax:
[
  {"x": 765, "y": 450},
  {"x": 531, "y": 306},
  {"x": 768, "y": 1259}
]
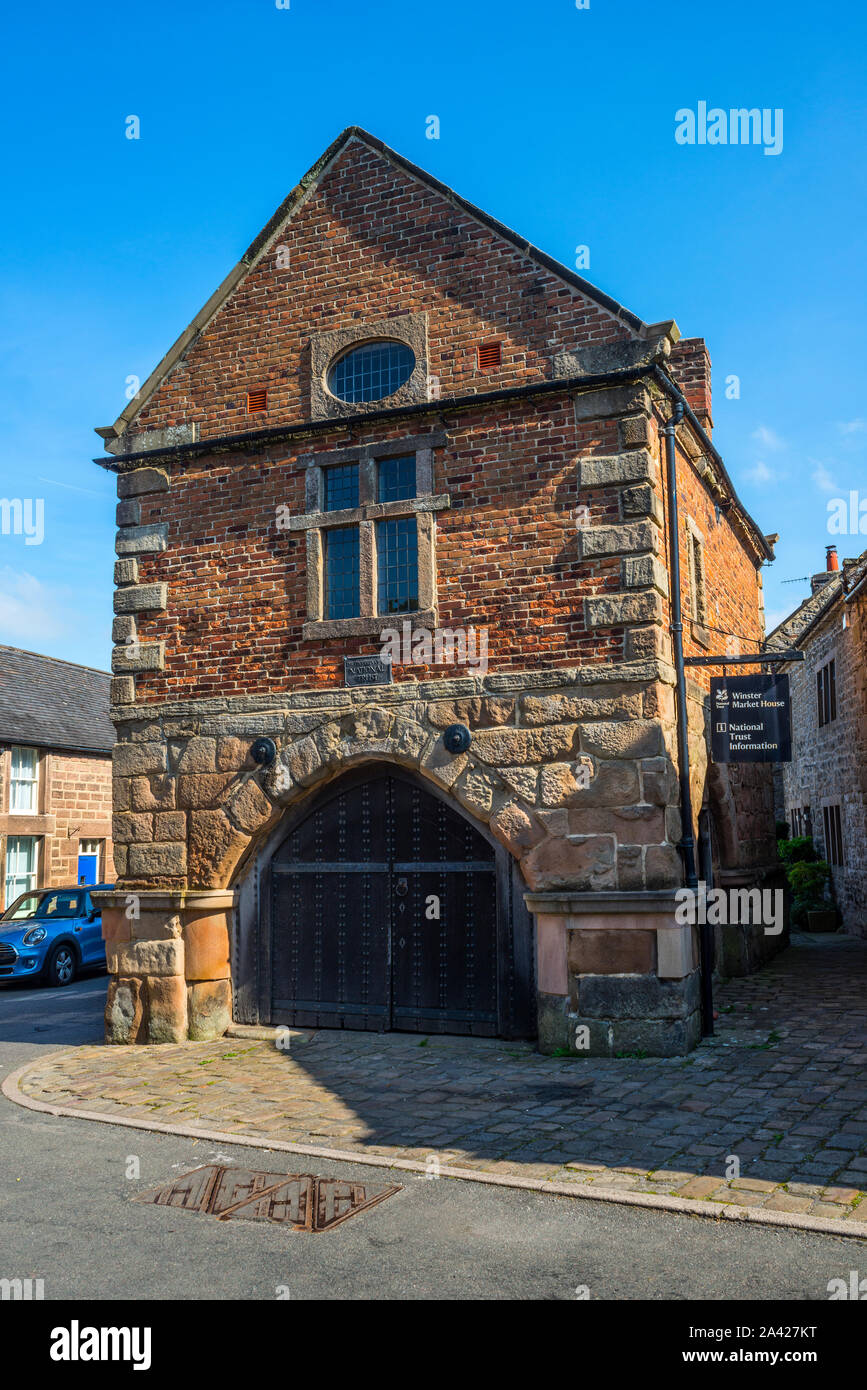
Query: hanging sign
[{"x": 751, "y": 719}]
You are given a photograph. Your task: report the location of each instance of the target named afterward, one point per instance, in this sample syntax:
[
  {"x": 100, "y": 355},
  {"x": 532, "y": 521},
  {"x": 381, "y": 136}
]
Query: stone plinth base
[
  {"x": 616, "y": 975},
  {"x": 168, "y": 959}
]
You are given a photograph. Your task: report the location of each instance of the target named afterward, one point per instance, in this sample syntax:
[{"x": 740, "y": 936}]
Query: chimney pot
[{"x": 831, "y": 561}]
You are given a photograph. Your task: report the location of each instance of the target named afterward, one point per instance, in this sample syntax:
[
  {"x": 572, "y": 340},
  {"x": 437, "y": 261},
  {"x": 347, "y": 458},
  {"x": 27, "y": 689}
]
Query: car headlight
[{"x": 34, "y": 936}]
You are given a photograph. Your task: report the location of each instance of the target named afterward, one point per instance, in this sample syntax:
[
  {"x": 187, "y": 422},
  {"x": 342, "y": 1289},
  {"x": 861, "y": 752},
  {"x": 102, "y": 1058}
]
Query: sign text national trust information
[{"x": 751, "y": 719}]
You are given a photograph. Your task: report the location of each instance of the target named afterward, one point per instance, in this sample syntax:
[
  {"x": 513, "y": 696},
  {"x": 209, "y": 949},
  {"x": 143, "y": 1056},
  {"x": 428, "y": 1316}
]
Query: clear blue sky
[{"x": 558, "y": 121}]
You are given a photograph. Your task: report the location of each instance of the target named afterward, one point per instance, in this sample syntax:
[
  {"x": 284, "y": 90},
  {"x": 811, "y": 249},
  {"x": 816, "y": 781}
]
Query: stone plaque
[{"x": 367, "y": 670}]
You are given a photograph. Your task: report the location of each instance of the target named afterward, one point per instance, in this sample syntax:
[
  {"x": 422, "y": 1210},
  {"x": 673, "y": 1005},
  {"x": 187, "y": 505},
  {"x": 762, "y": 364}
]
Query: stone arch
[
  {"x": 227, "y": 838},
  {"x": 298, "y": 804}
]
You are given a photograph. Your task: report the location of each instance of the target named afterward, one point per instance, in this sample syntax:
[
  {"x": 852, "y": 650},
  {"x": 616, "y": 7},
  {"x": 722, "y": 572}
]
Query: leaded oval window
[{"x": 371, "y": 372}]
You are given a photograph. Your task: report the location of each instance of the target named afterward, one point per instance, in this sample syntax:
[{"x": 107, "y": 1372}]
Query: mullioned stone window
[{"x": 370, "y": 524}]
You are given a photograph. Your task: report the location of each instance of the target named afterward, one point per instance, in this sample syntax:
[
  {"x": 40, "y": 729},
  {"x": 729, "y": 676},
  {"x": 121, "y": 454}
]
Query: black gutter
[{"x": 226, "y": 442}]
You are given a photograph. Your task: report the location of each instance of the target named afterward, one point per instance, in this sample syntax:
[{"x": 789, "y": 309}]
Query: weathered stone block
[
  {"x": 629, "y": 536},
  {"x": 475, "y": 789},
  {"x": 124, "y": 1012},
  {"x": 122, "y": 690},
  {"x": 633, "y": 466},
  {"x": 142, "y": 480},
  {"x": 509, "y": 746},
  {"x": 138, "y": 656},
  {"x": 154, "y": 793},
  {"x": 634, "y": 429},
  {"x": 142, "y": 958},
  {"x": 128, "y": 513},
  {"x": 516, "y": 828},
  {"x": 662, "y": 867},
  {"x": 637, "y": 996},
  {"x": 615, "y": 784},
  {"x": 209, "y": 1009},
  {"x": 521, "y": 780},
  {"x": 199, "y": 755},
  {"x": 202, "y": 790},
  {"x": 558, "y": 709},
  {"x": 126, "y": 571},
  {"x": 611, "y": 951},
  {"x": 206, "y": 943},
  {"x": 122, "y": 629},
  {"x": 167, "y": 1009},
  {"x": 446, "y": 767},
  {"x": 580, "y": 863},
  {"x": 559, "y": 782},
  {"x": 170, "y": 825},
  {"x": 249, "y": 808},
  {"x": 129, "y": 759},
  {"x": 623, "y": 610},
  {"x": 142, "y": 540},
  {"x": 128, "y": 828},
  {"x": 157, "y": 861},
  {"x": 140, "y": 598},
  {"x": 641, "y": 501},
  {"x": 233, "y": 755},
  {"x": 214, "y": 848},
  {"x": 633, "y": 825},
  {"x": 615, "y": 739},
  {"x": 644, "y": 572},
  {"x": 475, "y": 712}
]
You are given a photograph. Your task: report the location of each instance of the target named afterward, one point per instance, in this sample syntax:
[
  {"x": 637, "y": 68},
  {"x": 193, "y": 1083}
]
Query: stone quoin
[{"x": 396, "y": 410}]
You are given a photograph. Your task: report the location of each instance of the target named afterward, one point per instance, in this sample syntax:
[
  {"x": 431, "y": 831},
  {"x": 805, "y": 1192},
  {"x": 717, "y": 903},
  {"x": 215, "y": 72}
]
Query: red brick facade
[{"x": 548, "y": 521}]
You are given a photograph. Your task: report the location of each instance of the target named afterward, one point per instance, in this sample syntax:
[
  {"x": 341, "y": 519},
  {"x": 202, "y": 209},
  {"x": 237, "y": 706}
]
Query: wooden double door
[{"x": 386, "y": 908}]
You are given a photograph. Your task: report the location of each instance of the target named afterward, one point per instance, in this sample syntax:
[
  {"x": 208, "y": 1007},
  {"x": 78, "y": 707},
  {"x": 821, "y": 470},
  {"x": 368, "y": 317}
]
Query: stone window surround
[
  {"x": 327, "y": 346},
  {"x": 700, "y": 632},
  {"x": 423, "y": 506}
]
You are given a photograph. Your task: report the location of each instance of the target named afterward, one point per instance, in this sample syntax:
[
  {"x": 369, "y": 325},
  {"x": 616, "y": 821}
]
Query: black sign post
[{"x": 751, "y": 719}]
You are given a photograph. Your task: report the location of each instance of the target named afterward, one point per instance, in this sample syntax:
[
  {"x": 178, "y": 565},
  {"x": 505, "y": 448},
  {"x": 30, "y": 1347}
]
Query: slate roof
[
  {"x": 46, "y": 703},
  {"x": 791, "y": 631}
]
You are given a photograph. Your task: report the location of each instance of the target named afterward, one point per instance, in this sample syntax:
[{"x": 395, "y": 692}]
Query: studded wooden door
[{"x": 389, "y": 910}]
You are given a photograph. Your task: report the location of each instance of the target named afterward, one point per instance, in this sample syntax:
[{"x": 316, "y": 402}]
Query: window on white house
[
  {"x": 24, "y": 781},
  {"x": 20, "y": 866}
]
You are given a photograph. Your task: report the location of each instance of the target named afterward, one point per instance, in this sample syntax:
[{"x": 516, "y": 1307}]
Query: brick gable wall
[{"x": 373, "y": 242}]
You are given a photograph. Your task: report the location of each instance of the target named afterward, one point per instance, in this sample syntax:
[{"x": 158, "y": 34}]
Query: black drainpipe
[{"x": 687, "y": 841}]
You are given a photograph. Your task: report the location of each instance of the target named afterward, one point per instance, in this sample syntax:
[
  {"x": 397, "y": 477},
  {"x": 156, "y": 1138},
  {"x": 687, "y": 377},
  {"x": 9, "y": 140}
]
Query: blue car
[{"x": 51, "y": 934}]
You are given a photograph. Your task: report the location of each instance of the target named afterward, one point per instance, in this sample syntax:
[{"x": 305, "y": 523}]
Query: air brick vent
[
  {"x": 257, "y": 399},
  {"x": 490, "y": 356}
]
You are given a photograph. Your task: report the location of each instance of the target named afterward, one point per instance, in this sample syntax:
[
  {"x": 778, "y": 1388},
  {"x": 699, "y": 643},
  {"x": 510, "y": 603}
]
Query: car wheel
[{"x": 62, "y": 965}]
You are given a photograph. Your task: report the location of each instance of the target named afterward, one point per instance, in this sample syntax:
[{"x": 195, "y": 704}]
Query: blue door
[{"x": 88, "y": 868}]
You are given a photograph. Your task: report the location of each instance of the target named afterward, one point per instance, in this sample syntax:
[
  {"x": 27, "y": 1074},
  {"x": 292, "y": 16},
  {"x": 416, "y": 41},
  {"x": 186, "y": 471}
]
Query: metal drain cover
[{"x": 300, "y": 1200}]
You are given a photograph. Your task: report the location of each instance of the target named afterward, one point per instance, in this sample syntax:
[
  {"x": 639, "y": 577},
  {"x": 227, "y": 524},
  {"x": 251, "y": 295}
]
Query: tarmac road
[{"x": 66, "y": 1216}]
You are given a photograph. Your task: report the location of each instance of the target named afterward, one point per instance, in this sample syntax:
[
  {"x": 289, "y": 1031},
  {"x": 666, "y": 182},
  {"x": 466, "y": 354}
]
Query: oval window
[{"x": 371, "y": 372}]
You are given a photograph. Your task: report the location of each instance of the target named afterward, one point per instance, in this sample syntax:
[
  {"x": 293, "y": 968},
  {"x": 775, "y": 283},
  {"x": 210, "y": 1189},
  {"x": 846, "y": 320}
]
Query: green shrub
[
  {"x": 809, "y": 884},
  {"x": 797, "y": 851}
]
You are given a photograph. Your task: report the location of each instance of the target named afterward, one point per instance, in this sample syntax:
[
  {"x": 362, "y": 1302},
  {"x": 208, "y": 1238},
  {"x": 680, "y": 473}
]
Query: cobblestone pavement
[{"x": 782, "y": 1089}]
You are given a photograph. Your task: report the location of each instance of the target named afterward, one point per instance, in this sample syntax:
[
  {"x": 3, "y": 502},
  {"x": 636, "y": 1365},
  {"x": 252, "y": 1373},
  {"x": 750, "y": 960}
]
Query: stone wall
[
  {"x": 571, "y": 770},
  {"x": 829, "y": 763}
]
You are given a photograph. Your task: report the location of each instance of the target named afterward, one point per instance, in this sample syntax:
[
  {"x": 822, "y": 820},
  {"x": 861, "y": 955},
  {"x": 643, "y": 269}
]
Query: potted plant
[{"x": 812, "y": 906}]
